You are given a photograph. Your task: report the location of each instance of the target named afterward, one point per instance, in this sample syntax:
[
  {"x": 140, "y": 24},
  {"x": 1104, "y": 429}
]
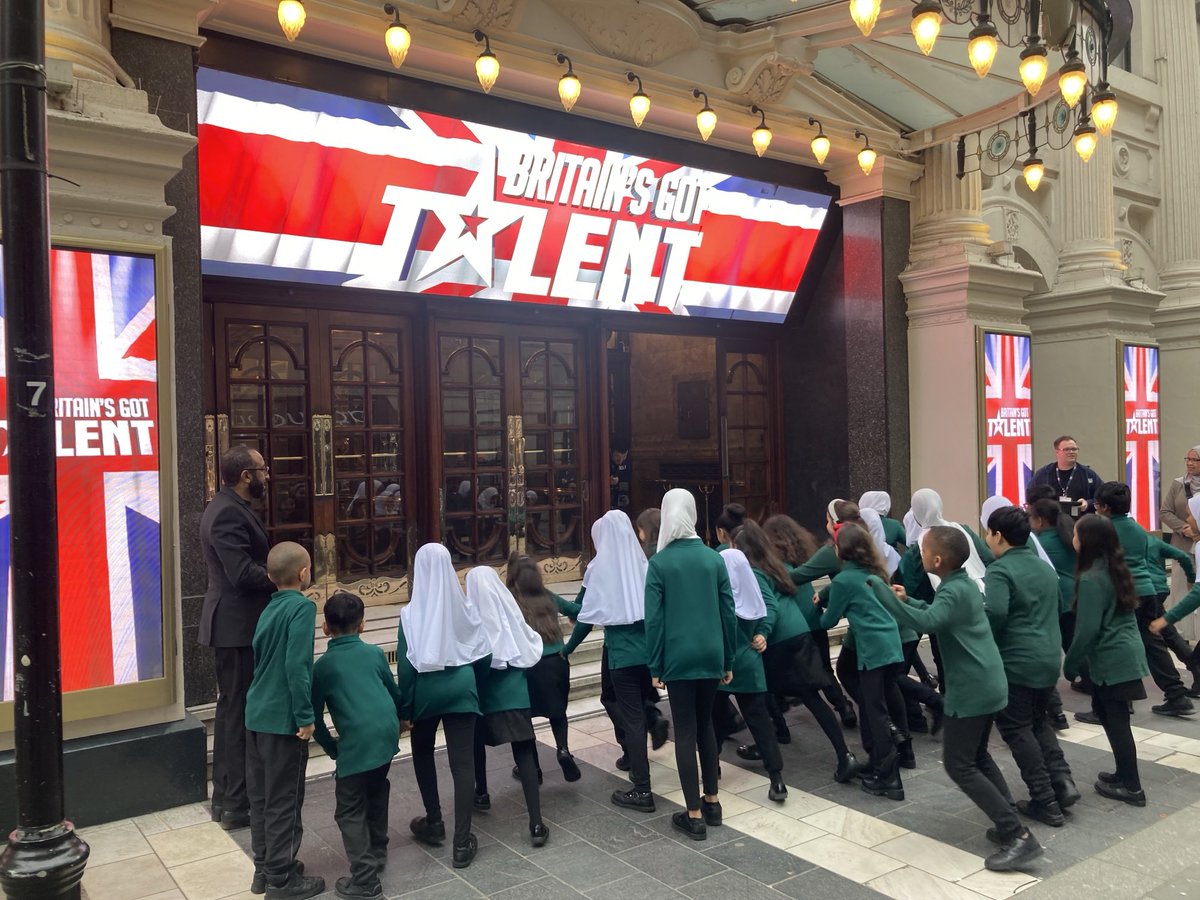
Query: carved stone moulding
[
  {"x": 483, "y": 13},
  {"x": 640, "y": 33},
  {"x": 768, "y": 78}
]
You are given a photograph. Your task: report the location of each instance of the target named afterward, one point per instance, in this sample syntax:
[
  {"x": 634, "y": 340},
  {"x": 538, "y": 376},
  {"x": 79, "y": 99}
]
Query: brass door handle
[{"x": 322, "y": 450}]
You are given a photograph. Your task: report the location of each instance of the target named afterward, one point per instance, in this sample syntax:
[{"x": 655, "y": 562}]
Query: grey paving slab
[
  {"x": 543, "y": 889},
  {"x": 760, "y": 861},
  {"x": 1093, "y": 878},
  {"x": 819, "y": 883},
  {"x": 410, "y": 869},
  {"x": 730, "y": 884},
  {"x": 1183, "y": 884},
  {"x": 582, "y": 865},
  {"x": 674, "y": 864},
  {"x": 635, "y": 887}
]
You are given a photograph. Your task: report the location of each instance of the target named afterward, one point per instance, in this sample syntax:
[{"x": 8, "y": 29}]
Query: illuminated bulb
[
  {"x": 569, "y": 89},
  {"x": 761, "y": 139},
  {"x": 639, "y": 105},
  {"x": 1034, "y": 67},
  {"x": 398, "y": 40},
  {"x": 1072, "y": 79},
  {"x": 865, "y": 13},
  {"x": 982, "y": 47},
  {"x": 1085, "y": 140},
  {"x": 1034, "y": 170},
  {"x": 820, "y": 148},
  {"x": 291, "y": 18},
  {"x": 1104, "y": 110},
  {"x": 866, "y": 160},
  {"x": 487, "y": 70},
  {"x": 927, "y": 24},
  {"x": 706, "y": 119}
]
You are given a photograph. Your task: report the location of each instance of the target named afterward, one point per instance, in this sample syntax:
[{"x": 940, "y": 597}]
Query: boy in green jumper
[
  {"x": 1159, "y": 552},
  {"x": 353, "y": 679},
  {"x": 279, "y": 724},
  {"x": 976, "y": 688}
]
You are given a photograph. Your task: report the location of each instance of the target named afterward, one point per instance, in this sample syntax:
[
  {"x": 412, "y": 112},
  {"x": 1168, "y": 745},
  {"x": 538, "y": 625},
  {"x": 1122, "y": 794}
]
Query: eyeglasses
[
  {"x": 1068, "y": 449},
  {"x": 258, "y": 469},
  {"x": 1195, "y": 459}
]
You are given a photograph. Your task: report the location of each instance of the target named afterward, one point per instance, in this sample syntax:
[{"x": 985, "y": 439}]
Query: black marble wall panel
[{"x": 166, "y": 71}]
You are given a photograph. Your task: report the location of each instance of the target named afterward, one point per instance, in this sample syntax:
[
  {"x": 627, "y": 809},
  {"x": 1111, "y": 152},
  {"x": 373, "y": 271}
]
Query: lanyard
[{"x": 1062, "y": 490}]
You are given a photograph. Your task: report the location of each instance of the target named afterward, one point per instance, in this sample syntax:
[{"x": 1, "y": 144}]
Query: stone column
[
  {"x": 954, "y": 285},
  {"x": 77, "y": 31},
  {"x": 1078, "y": 323},
  {"x": 1177, "y": 321}
]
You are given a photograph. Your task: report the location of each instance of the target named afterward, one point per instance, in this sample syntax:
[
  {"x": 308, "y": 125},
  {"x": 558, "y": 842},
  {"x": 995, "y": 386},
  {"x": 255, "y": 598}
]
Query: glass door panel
[{"x": 746, "y": 430}]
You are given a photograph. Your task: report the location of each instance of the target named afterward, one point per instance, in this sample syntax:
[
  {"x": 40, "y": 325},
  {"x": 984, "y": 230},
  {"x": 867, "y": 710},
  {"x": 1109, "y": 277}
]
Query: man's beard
[{"x": 258, "y": 489}]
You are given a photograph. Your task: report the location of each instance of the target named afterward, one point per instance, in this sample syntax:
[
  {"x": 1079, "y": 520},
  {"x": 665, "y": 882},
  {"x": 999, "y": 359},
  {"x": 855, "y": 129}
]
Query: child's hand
[
  {"x": 728, "y": 678},
  {"x": 657, "y": 683},
  {"x": 405, "y": 725},
  {"x": 305, "y": 732},
  {"x": 1158, "y": 625},
  {"x": 900, "y": 592},
  {"x": 759, "y": 643}
]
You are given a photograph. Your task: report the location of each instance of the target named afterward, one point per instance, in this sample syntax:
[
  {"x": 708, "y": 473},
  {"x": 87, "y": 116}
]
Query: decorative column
[
  {"x": 955, "y": 283},
  {"x": 77, "y": 31},
  {"x": 1078, "y": 323},
  {"x": 1177, "y": 321}
]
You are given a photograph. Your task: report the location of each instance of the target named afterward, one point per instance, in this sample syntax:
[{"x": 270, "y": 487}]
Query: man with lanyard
[{"x": 1074, "y": 484}]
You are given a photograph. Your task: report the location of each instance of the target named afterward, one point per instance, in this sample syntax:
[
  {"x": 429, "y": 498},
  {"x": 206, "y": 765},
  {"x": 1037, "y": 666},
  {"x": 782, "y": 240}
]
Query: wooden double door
[{"x": 380, "y": 437}]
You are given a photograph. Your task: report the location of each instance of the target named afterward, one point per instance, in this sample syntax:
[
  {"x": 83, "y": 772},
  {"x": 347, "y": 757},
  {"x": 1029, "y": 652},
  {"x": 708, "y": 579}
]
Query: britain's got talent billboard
[
  {"x": 106, "y": 418},
  {"x": 1008, "y": 415},
  {"x": 304, "y": 186},
  {"x": 1142, "y": 457}
]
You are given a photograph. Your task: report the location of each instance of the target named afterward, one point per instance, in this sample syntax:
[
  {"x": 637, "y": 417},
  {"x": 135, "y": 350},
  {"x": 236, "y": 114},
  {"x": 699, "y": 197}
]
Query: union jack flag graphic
[
  {"x": 1009, "y": 426},
  {"x": 109, "y": 515},
  {"x": 1142, "y": 463},
  {"x": 301, "y": 185}
]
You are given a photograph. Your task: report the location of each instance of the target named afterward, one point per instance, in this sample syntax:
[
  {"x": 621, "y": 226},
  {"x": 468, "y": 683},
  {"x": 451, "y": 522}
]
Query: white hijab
[
  {"x": 678, "y": 517},
  {"x": 615, "y": 580},
  {"x": 874, "y": 522},
  {"x": 991, "y": 504},
  {"x": 442, "y": 627},
  {"x": 880, "y": 501},
  {"x": 513, "y": 642},
  {"x": 748, "y": 600},
  {"x": 1194, "y": 509},
  {"x": 911, "y": 529},
  {"x": 927, "y": 513}
]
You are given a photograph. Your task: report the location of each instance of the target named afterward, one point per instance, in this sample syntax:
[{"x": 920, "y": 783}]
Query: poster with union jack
[
  {"x": 109, "y": 515},
  {"x": 304, "y": 186},
  {"x": 1008, "y": 424},
  {"x": 1142, "y": 461}
]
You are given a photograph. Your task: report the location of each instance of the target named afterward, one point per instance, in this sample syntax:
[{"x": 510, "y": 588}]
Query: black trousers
[
  {"x": 608, "y": 699},
  {"x": 630, "y": 720},
  {"x": 525, "y": 756},
  {"x": 1113, "y": 714},
  {"x": 1162, "y": 670},
  {"x": 460, "y": 751},
  {"x": 1025, "y": 726},
  {"x": 969, "y": 764},
  {"x": 361, "y": 814},
  {"x": 235, "y": 669},
  {"x": 758, "y": 720},
  {"x": 881, "y": 707},
  {"x": 1175, "y": 641},
  {"x": 833, "y": 690},
  {"x": 691, "y": 715},
  {"x": 916, "y": 693},
  {"x": 275, "y": 768}
]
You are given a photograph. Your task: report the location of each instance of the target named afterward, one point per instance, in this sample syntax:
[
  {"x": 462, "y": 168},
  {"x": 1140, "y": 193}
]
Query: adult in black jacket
[
  {"x": 1069, "y": 477},
  {"x": 235, "y": 547}
]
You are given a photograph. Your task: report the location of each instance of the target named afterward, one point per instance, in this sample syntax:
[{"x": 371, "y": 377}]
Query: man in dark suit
[{"x": 235, "y": 550}]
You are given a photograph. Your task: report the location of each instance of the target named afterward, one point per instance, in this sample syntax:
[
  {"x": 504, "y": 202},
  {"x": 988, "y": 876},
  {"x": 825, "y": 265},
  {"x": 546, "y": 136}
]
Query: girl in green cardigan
[{"x": 1107, "y": 644}]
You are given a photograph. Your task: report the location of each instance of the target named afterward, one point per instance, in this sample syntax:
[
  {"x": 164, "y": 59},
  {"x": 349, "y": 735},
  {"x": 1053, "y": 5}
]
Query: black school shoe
[
  {"x": 847, "y": 768},
  {"x": 297, "y": 887},
  {"x": 259, "y": 884},
  {"x": 749, "y": 752},
  {"x": 516, "y": 773},
  {"x": 1180, "y": 706},
  {"x": 1015, "y": 853},
  {"x": 658, "y": 732},
  {"x": 783, "y": 734},
  {"x": 893, "y": 789},
  {"x": 465, "y": 852},
  {"x": 1059, "y": 722},
  {"x": 348, "y": 890},
  {"x": 622, "y": 763},
  {"x": 1066, "y": 793},
  {"x": 1120, "y": 792},
  {"x": 849, "y": 717},
  {"x": 432, "y": 833},
  {"x": 539, "y": 834},
  {"x": 1049, "y": 813},
  {"x": 570, "y": 768},
  {"x": 1087, "y": 717},
  {"x": 232, "y": 821},
  {"x": 778, "y": 790},
  {"x": 711, "y": 812},
  {"x": 642, "y": 801},
  {"x": 482, "y": 802},
  {"x": 696, "y": 829},
  {"x": 906, "y": 755}
]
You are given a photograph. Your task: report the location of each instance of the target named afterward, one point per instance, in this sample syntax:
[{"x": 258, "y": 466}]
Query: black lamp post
[{"x": 44, "y": 857}]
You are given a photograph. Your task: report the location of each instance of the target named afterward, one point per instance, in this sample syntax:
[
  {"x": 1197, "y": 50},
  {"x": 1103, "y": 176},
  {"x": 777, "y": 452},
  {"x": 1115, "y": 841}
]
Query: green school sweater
[
  {"x": 425, "y": 695},
  {"x": 565, "y": 608},
  {"x": 1158, "y": 552},
  {"x": 502, "y": 689},
  {"x": 785, "y": 612},
  {"x": 625, "y": 644},
  {"x": 876, "y": 634},
  {"x": 1136, "y": 544},
  {"x": 975, "y": 682},
  {"x": 1106, "y": 643},
  {"x": 912, "y": 571},
  {"x": 352, "y": 678},
  {"x": 1021, "y": 601},
  {"x": 748, "y": 674},
  {"x": 824, "y": 562},
  {"x": 690, "y": 622},
  {"x": 279, "y": 700},
  {"x": 1063, "y": 558},
  {"x": 893, "y": 532},
  {"x": 1185, "y": 607}
]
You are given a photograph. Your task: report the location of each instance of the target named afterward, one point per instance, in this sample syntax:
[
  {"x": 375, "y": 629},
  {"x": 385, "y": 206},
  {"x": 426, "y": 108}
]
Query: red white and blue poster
[
  {"x": 1009, "y": 415},
  {"x": 1142, "y": 461},
  {"x": 106, "y": 405},
  {"x": 303, "y": 186}
]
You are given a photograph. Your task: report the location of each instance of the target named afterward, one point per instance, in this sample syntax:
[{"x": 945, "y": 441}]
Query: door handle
[
  {"x": 322, "y": 449},
  {"x": 211, "y": 481},
  {"x": 724, "y": 446}
]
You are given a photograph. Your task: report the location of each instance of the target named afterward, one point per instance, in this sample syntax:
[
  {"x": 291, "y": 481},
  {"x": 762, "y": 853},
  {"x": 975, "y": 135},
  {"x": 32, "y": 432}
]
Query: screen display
[
  {"x": 303, "y": 186},
  {"x": 1142, "y": 465},
  {"x": 106, "y": 409},
  {"x": 1009, "y": 415}
]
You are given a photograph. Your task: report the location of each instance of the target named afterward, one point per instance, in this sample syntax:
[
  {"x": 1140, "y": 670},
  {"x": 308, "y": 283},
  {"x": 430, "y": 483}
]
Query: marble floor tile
[
  {"x": 114, "y": 842},
  {"x": 773, "y": 828},
  {"x": 184, "y": 845},
  {"x": 998, "y": 885},
  {"x": 859, "y": 828},
  {"x": 731, "y": 804},
  {"x": 183, "y": 816},
  {"x": 215, "y": 877},
  {"x": 127, "y": 879},
  {"x": 1151, "y": 753},
  {"x": 931, "y": 856},
  {"x": 913, "y": 884},
  {"x": 845, "y": 858},
  {"x": 798, "y": 805},
  {"x": 151, "y": 824},
  {"x": 1185, "y": 761}
]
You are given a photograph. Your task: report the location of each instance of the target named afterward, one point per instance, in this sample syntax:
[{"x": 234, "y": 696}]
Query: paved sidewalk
[{"x": 828, "y": 841}]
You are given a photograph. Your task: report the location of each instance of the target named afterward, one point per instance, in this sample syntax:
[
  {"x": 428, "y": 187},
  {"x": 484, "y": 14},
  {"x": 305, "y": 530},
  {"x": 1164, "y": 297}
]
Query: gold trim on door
[
  {"x": 212, "y": 480},
  {"x": 322, "y": 443},
  {"x": 516, "y": 482}
]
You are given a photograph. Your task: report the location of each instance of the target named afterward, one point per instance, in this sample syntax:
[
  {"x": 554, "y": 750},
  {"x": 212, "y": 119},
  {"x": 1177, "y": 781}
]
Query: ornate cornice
[{"x": 639, "y": 33}]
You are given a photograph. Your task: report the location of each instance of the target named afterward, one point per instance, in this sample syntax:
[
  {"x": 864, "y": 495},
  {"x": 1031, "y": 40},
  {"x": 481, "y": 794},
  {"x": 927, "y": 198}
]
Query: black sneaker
[
  {"x": 693, "y": 828},
  {"x": 482, "y": 802},
  {"x": 750, "y": 752},
  {"x": 711, "y": 812},
  {"x": 465, "y": 852},
  {"x": 1120, "y": 792},
  {"x": 432, "y": 833},
  {"x": 1066, "y": 793},
  {"x": 259, "y": 884},
  {"x": 347, "y": 889},
  {"x": 1180, "y": 706},
  {"x": 570, "y": 768},
  {"x": 658, "y": 732},
  {"x": 298, "y": 887},
  {"x": 539, "y": 834},
  {"x": 1059, "y": 722},
  {"x": 622, "y": 763},
  {"x": 777, "y": 790},
  {"x": 1016, "y": 853},
  {"x": 516, "y": 773},
  {"x": 1049, "y": 813},
  {"x": 642, "y": 801},
  {"x": 846, "y": 770}
]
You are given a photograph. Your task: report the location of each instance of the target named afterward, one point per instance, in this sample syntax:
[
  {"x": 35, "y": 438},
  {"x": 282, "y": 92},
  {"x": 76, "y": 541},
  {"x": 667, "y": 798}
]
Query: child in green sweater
[{"x": 279, "y": 724}]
